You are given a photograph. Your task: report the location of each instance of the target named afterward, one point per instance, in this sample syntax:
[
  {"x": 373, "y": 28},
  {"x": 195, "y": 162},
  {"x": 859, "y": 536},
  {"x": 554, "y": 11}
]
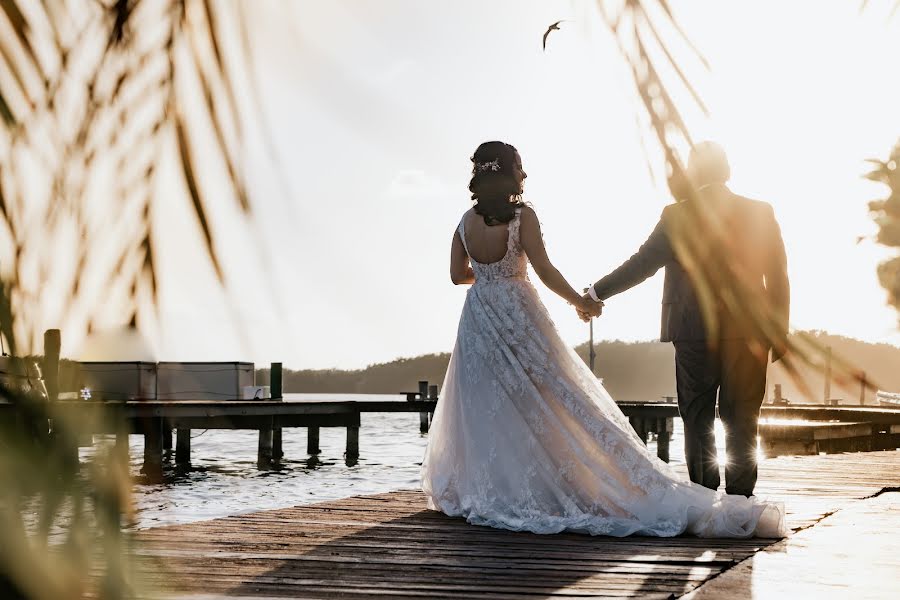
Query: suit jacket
[{"x": 697, "y": 240}]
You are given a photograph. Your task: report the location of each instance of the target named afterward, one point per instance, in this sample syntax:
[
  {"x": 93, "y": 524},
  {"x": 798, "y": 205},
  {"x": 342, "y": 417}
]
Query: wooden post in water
[
  {"x": 153, "y": 448},
  {"x": 50, "y": 366},
  {"x": 167, "y": 436},
  {"x": 827, "y": 399},
  {"x": 122, "y": 442},
  {"x": 183, "y": 447},
  {"x": 423, "y": 416},
  {"x": 665, "y": 427},
  {"x": 276, "y": 389},
  {"x": 352, "y": 454},
  {"x": 312, "y": 440},
  {"x": 640, "y": 427},
  {"x": 277, "y": 445},
  {"x": 50, "y": 375},
  {"x": 432, "y": 396},
  {"x": 264, "y": 454}
]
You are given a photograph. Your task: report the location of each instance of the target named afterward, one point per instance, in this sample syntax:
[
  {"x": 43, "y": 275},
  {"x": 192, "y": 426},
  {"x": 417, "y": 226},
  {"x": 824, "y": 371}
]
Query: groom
[{"x": 726, "y": 250}]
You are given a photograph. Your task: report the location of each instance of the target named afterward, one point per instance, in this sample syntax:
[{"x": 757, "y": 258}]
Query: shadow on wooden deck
[
  {"x": 430, "y": 555},
  {"x": 389, "y": 546}
]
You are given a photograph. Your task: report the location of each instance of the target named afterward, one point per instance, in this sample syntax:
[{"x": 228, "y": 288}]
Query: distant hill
[
  {"x": 630, "y": 371},
  {"x": 880, "y": 362}
]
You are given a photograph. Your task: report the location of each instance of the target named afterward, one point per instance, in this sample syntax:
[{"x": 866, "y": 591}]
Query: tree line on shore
[{"x": 631, "y": 371}]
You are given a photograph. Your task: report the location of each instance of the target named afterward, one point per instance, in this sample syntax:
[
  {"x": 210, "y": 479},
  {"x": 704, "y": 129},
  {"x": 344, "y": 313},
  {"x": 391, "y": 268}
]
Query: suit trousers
[{"x": 737, "y": 376}]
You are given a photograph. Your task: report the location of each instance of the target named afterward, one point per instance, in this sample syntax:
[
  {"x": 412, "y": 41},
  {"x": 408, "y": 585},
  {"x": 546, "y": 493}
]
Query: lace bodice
[{"x": 511, "y": 266}]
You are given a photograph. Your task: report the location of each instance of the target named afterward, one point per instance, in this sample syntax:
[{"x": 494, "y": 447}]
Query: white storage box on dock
[
  {"x": 119, "y": 380},
  {"x": 257, "y": 392},
  {"x": 203, "y": 380}
]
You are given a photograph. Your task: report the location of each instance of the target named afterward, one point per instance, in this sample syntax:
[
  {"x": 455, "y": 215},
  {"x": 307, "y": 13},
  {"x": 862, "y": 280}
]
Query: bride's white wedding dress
[{"x": 526, "y": 438}]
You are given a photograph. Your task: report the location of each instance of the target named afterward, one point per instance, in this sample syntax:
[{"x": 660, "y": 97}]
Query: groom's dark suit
[{"x": 742, "y": 235}]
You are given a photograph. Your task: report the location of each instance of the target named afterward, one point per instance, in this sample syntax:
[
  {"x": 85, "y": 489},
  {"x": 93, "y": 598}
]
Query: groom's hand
[{"x": 589, "y": 308}]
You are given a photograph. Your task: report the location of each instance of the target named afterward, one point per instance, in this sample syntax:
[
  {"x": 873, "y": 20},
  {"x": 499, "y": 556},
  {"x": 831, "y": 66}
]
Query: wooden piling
[
  {"x": 664, "y": 429},
  {"x": 153, "y": 448},
  {"x": 276, "y": 391},
  {"x": 827, "y": 399},
  {"x": 352, "y": 453},
  {"x": 167, "y": 436},
  {"x": 183, "y": 447},
  {"x": 312, "y": 440},
  {"x": 277, "y": 445},
  {"x": 264, "y": 457},
  {"x": 640, "y": 427},
  {"x": 423, "y": 416},
  {"x": 276, "y": 382}
]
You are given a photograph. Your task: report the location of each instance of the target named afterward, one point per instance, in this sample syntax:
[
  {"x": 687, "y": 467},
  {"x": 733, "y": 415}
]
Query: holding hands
[{"x": 588, "y": 307}]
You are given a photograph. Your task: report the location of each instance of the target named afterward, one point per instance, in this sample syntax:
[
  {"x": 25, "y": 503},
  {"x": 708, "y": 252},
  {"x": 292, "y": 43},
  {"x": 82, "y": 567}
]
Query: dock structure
[
  {"x": 843, "y": 510},
  {"x": 823, "y": 428}
]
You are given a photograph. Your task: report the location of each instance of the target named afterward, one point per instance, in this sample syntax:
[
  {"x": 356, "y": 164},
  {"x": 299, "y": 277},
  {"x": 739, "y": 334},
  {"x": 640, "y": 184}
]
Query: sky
[{"x": 376, "y": 107}]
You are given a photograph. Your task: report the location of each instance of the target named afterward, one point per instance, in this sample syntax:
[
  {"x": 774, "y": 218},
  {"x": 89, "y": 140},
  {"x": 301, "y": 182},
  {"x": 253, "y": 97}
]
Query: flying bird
[{"x": 553, "y": 27}]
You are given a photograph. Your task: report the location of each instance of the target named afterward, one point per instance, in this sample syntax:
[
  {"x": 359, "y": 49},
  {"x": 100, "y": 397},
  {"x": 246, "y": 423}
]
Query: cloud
[{"x": 414, "y": 184}]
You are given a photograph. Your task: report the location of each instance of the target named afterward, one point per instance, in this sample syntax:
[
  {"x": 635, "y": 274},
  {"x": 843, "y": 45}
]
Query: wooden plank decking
[{"x": 390, "y": 546}]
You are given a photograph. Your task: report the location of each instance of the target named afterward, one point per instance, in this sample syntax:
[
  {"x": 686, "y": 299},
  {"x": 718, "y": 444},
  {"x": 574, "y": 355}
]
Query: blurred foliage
[
  {"x": 96, "y": 98},
  {"x": 893, "y": 10},
  {"x": 645, "y": 32},
  {"x": 886, "y": 213}
]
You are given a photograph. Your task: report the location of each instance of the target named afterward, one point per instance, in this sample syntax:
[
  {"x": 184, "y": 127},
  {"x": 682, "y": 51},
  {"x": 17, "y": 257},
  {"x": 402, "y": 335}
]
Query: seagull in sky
[{"x": 553, "y": 27}]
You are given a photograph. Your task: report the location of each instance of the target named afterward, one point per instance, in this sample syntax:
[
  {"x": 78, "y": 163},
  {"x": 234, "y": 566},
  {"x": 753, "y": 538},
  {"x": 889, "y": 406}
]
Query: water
[{"x": 224, "y": 479}]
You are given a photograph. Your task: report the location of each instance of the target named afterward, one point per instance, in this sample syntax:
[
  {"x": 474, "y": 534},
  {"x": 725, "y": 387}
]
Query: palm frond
[
  {"x": 107, "y": 93},
  {"x": 187, "y": 165},
  {"x": 886, "y": 214}
]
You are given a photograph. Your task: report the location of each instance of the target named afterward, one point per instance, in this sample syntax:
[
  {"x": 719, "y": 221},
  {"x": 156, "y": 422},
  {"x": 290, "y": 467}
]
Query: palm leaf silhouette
[
  {"x": 886, "y": 214},
  {"x": 92, "y": 96},
  {"x": 124, "y": 105}
]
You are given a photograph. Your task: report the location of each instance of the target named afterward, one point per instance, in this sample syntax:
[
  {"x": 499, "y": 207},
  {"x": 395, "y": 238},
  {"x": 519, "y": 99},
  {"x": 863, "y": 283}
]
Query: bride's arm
[
  {"x": 460, "y": 271},
  {"x": 533, "y": 244}
]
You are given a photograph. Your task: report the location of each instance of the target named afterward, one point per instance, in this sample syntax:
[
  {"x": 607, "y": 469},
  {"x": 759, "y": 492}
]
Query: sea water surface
[{"x": 224, "y": 480}]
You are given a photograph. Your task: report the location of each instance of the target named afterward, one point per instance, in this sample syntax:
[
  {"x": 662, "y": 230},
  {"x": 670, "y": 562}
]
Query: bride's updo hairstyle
[{"x": 496, "y": 183}]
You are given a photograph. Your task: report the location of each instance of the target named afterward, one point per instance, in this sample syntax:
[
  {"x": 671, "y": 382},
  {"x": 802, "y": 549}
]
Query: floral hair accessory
[{"x": 493, "y": 165}]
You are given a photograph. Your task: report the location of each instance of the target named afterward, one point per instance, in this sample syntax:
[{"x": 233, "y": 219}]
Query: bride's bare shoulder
[
  {"x": 465, "y": 216},
  {"x": 528, "y": 216}
]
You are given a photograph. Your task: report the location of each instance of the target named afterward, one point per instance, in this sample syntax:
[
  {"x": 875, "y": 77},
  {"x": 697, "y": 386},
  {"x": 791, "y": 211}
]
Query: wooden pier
[
  {"x": 824, "y": 428},
  {"x": 841, "y": 508}
]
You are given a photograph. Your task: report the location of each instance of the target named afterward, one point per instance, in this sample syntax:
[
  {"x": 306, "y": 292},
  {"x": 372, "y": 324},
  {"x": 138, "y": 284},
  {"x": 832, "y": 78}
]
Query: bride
[{"x": 525, "y": 437}]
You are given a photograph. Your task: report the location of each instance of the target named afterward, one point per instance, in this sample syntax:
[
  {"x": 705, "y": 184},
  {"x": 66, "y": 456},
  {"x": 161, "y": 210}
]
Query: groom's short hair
[{"x": 707, "y": 163}]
